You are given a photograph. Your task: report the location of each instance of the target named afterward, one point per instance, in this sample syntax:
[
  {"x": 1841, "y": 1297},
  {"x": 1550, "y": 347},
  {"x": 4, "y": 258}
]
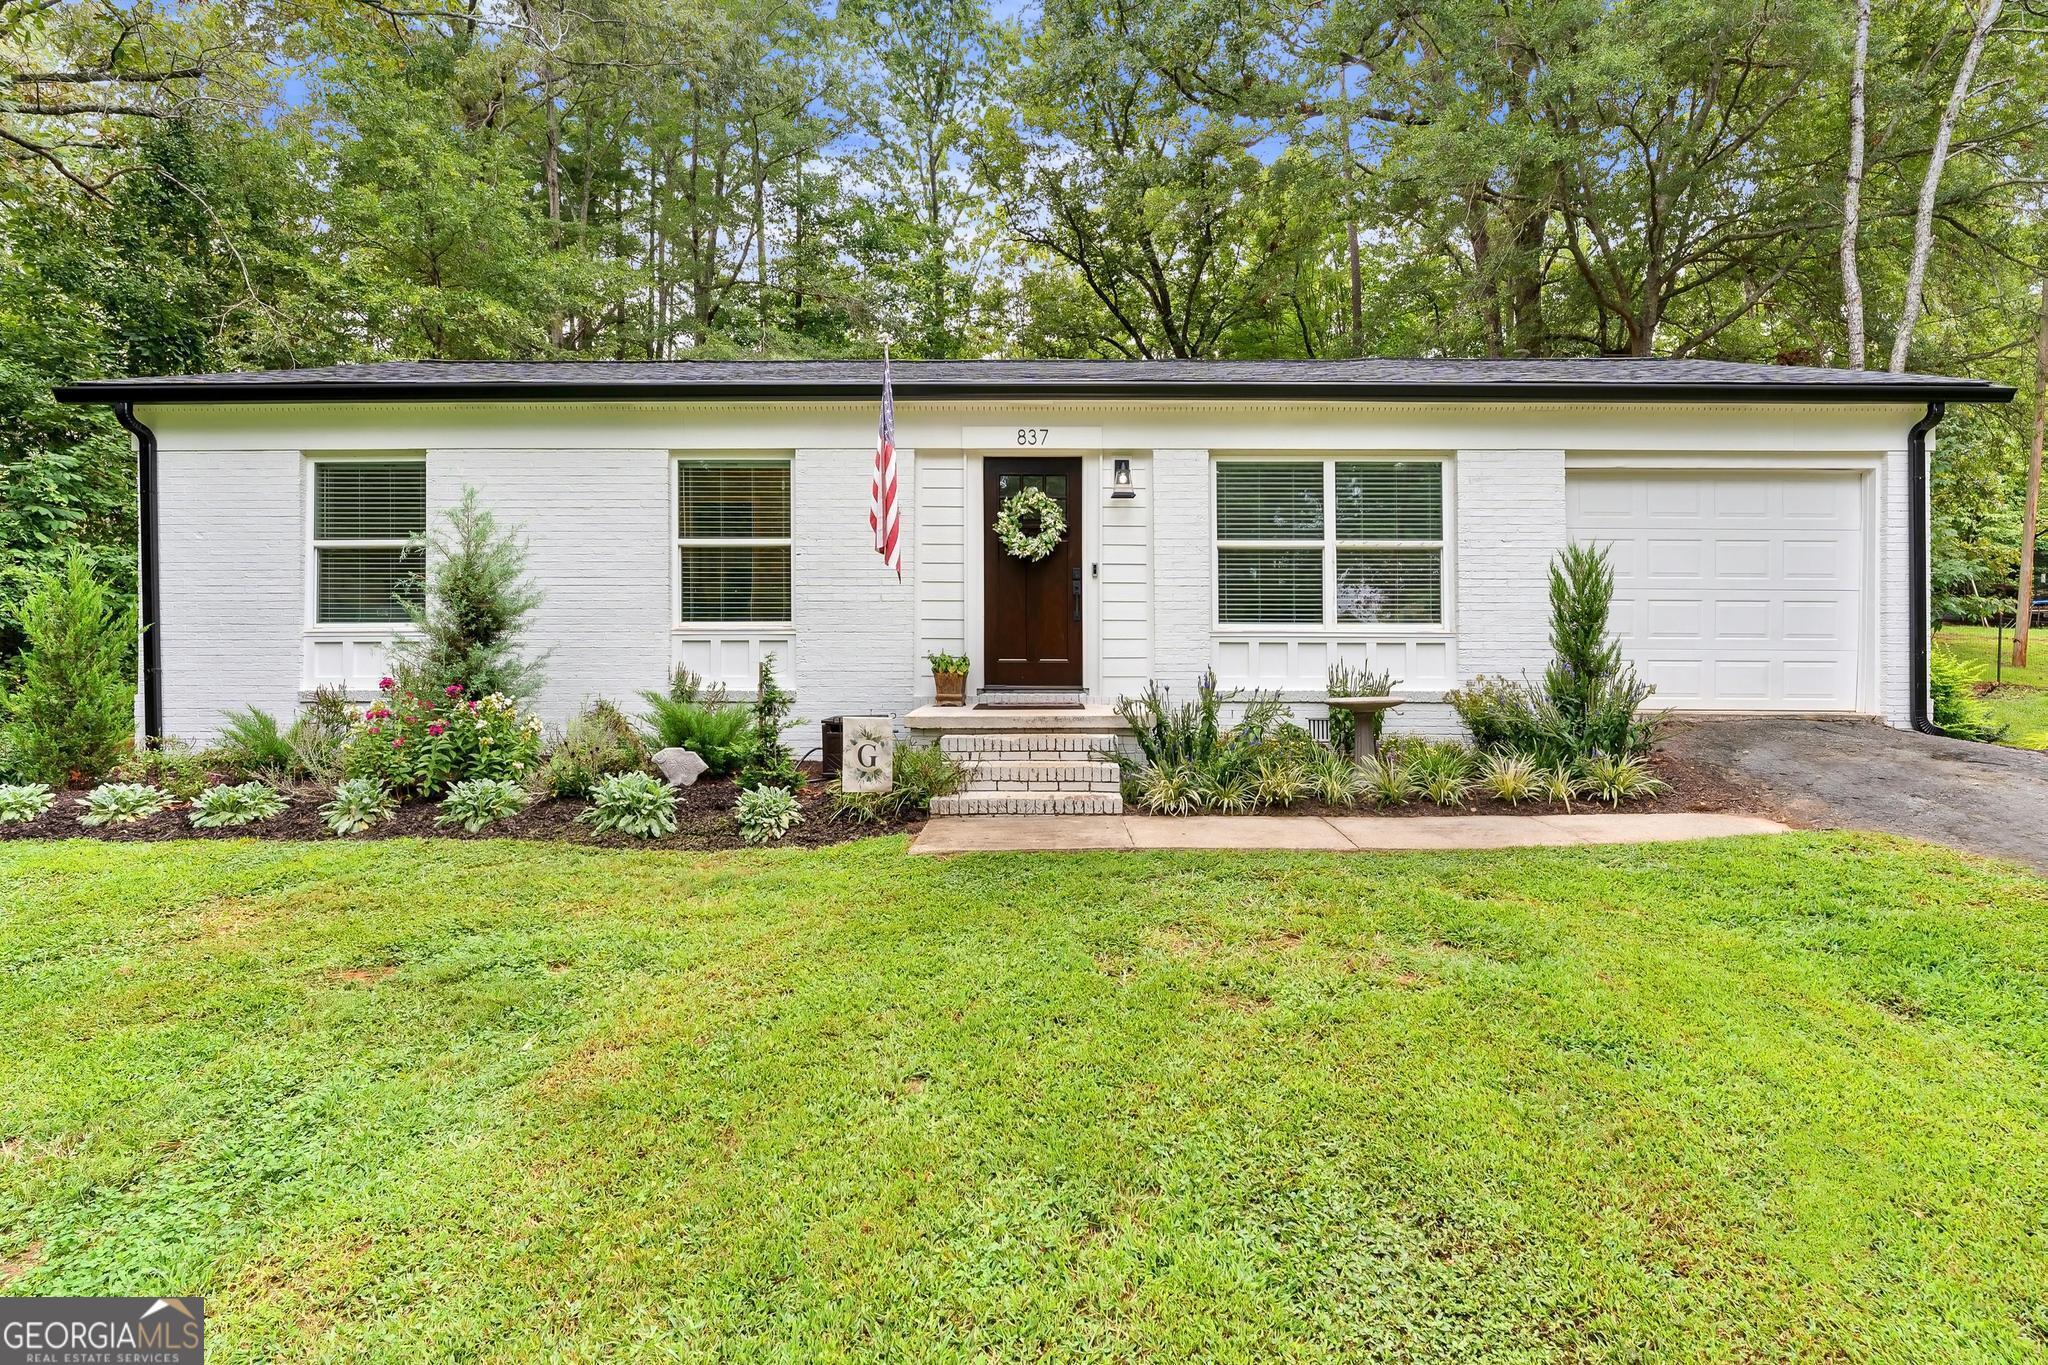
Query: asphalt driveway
[{"x": 1858, "y": 774}]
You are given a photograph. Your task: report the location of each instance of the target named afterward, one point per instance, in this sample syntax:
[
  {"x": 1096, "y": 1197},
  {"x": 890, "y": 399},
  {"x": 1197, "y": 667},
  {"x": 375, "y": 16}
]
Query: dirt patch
[
  {"x": 703, "y": 821},
  {"x": 363, "y": 976},
  {"x": 14, "y": 1267}
]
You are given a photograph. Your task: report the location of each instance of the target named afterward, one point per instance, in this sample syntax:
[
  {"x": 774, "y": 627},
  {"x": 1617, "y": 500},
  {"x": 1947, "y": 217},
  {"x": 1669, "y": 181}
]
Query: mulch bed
[
  {"x": 703, "y": 822},
  {"x": 704, "y": 816}
]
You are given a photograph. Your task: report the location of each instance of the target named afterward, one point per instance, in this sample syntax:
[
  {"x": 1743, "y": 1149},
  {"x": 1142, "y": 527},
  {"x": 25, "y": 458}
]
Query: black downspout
[
  {"x": 1918, "y": 551},
  {"x": 152, "y": 635}
]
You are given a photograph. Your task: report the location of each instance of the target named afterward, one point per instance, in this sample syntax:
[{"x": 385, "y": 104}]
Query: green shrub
[
  {"x": 21, "y": 802},
  {"x": 358, "y": 803},
  {"x": 1277, "y": 780},
  {"x": 771, "y": 764},
  {"x": 1332, "y": 776},
  {"x": 1614, "y": 779},
  {"x": 1387, "y": 782},
  {"x": 123, "y": 803},
  {"x": 720, "y": 734},
  {"x": 598, "y": 742},
  {"x": 948, "y": 663},
  {"x": 317, "y": 737},
  {"x": 69, "y": 716},
  {"x": 479, "y": 802},
  {"x": 252, "y": 743},
  {"x": 1191, "y": 735},
  {"x": 1169, "y": 790},
  {"x": 766, "y": 814},
  {"x": 632, "y": 803},
  {"x": 1557, "y": 785},
  {"x": 1590, "y": 700},
  {"x": 169, "y": 764},
  {"x": 1508, "y": 777},
  {"x": 231, "y": 806},
  {"x": 418, "y": 744},
  {"x": 1957, "y": 709},
  {"x": 477, "y": 605},
  {"x": 919, "y": 773}
]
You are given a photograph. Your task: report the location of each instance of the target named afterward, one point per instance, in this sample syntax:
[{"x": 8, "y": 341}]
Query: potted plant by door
[{"x": 949, "y": 679}]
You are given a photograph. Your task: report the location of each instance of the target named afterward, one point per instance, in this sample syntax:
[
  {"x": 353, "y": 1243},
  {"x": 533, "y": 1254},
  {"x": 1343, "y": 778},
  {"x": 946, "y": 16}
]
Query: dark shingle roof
[{"x": 1576, "y": 380}]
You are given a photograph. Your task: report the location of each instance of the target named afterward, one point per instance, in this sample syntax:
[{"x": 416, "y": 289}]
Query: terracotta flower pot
[{"x": 949, "y": 689}]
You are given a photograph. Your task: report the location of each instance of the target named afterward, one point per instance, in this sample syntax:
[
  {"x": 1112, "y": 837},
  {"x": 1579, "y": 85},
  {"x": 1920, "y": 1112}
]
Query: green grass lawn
[
  {"x": 1779, "y": 1098},
  {"x": 2021, "y": 709}
]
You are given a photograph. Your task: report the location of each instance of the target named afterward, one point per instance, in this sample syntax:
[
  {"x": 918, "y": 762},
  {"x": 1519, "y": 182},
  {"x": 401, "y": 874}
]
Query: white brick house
[{"x": 1265, "y": 519}]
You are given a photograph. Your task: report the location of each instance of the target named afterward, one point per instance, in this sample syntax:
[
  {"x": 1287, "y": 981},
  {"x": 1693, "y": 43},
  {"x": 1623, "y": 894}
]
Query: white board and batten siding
[{"x": 1760, "y": 550}]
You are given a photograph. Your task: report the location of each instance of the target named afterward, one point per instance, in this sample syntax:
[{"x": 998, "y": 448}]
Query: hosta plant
[
  {"x": 123, "y": 803},
  {"x": 358, "y": 804},
  {"x": 632, "y": 803},
  {"x": 479, "y": 802},
  {"x": 765, "y": 814},
  {"x": 1508, "y": 777},
  {"x": 1613, "y": 779},
  {"x": 23, "y": 801},
  {"x": 244, "y": 803}
]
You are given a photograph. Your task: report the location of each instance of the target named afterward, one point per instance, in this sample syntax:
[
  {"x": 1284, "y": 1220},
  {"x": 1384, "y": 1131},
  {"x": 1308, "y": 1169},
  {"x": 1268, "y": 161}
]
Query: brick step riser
[
  {"x": 1028, "y": 748},
  {"x": 984, "y": 775},
  {"x": 1029, "y": 803}
]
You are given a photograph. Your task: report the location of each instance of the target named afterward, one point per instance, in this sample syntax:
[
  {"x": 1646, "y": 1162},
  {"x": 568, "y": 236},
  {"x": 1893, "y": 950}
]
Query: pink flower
[
  {"x": 454, "y": 689},
  {"x": 397, "y": 741},
  {"x": 436, "y": 728},
  {"x": 386, "y": 684}
]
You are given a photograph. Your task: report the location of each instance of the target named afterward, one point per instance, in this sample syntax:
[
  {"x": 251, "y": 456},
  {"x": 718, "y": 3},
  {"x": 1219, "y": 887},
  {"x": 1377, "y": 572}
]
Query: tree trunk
[
  {"x": 1937, "y": 158},
  {"x": 2029, "y": 522},
  {"x": 1852, "y": 192}
]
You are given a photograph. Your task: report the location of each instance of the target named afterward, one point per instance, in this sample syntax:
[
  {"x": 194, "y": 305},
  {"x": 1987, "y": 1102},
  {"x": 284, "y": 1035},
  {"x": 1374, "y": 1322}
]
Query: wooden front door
[{"x": 1031, "y": 609}]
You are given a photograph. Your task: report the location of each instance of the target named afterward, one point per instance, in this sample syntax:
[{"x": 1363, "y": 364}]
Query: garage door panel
[{"x": 1734, "y": 589}]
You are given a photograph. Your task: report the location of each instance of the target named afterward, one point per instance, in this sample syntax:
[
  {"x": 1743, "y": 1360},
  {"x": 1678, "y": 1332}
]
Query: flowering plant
[{"x": 419, "y": 744}]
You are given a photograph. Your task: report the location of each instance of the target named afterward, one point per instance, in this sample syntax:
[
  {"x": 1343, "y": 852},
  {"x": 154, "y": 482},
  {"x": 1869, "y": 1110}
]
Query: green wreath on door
[{"x": 1020, "y": 507}]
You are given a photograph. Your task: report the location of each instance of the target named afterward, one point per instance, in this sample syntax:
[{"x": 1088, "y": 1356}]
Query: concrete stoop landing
[{"x": 1025, "y": 762}]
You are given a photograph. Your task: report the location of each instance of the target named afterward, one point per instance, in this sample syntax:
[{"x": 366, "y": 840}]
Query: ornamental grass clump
[
  {"x": 1386, "y": 782},
  {"x": 1615, "y": 779},
  {"x": 1332, "y": 777},
  {"x": 359, "y": 803},
  {"x": 226, "y": 807},
  {"x": 632, "y": 803},
  {"x": 766, "y": 814},
  {"x": 21, "y": 802},
  {"x": 123, "y": 803},
  {"x": 1188, "y": 740},
  {"x": 598, "y": 742},
  {"x": 1508, "y": 777},
  {"x": 479, "y": 802}
]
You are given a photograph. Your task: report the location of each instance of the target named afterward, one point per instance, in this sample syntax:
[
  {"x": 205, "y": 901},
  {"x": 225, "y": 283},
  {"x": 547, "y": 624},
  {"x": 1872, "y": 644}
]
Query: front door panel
[{"x": 1031, "y": 610}]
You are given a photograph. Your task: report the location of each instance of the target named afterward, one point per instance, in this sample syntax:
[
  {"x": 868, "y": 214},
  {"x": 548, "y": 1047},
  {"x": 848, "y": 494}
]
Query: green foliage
[
  {"x": 479, "y": 802},
  {"x": 1590, "y": 699},
  {"x": 1346, "y": 681},
  {"x": 948, "y": 663},
  {"x": 770, "y": 763},
  {"x": 418, "y": 743},
  {"x": 1615, "y": 779},
  {"x": 765, "y": 814},
  {"x": 918, "y": 773},
  {"x": 359, "y": 804},
  {"x": 1387, "y": 782},
  {"x": 21, "y": 802},
  {"x": 1332, "y": 777},
  {"x": 1192, "y": 734},
  {"x": 1441, "y": 770},
  {"x": 478, "y": 605},
  {"x": 252, "y": 742},
  {"x": 719, "y": 733},
  {"x": 70, "y": 714},
  {"x": 245, "y": 803},
  {"x": 317, "y": 738},
  {"x": 1169, "y": 791},
  {"x": 1957, "y": 709},
  {"x": 1278, "y": 780},
  {"x": 1508, "y": 777},
  {"x": 122, "y": 803},
  {"x": 632, "y": 803},
  {"x": 1558, "y": 785},
  {"x": 599, "y": 741},
  {"x": 170, "y": 764}
]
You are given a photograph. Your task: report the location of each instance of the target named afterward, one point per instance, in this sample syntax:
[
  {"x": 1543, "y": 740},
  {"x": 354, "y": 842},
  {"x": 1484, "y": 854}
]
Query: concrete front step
[
  {"x": 1040, "y": 747},
  {"x": 1029, "y": 803},
  {"x": 989, "y": 775}
]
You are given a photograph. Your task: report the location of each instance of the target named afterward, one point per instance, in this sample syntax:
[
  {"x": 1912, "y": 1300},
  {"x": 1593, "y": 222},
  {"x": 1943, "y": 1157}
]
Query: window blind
[
  {"x": 735, "y": 582},
  {"x": 1390, "y": 500},
  {"x": 732, "y": 499},
  {"x": 1269, "y": 586},
  {"x": 367, "y": 585},
  {"x": 1264, "y": 500},
  {"x": 369, "y": 499},
  {"x": 1397, "y": 586}
]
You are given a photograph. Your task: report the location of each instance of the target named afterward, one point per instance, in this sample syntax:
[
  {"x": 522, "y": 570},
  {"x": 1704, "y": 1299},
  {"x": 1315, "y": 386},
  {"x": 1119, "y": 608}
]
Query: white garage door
[{"x": 1735, "y": 591}]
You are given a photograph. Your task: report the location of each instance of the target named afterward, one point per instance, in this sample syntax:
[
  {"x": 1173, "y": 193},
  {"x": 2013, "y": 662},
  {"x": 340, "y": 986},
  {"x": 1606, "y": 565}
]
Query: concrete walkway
[{"x": 1316, "y": 833}]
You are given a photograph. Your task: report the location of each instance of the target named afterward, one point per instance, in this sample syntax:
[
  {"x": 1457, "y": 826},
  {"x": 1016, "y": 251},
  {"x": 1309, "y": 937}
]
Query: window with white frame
[
  {"x": 368, "y": 516},
  {"x": 732, "y": 541},
  {"x": 1330, "y": 542}
]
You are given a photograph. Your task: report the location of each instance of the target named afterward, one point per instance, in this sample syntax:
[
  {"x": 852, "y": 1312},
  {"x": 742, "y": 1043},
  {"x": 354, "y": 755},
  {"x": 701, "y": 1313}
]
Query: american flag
[{"x": 882, "y": 493}]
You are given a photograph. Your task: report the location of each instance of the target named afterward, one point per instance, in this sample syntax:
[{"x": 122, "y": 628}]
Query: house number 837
[{"x": 1033, "y": 436}]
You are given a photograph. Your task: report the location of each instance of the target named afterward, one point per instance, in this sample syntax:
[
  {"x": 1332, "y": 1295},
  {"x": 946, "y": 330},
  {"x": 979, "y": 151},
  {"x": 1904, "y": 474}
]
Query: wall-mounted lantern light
[{"x": 1120, "y": 480}]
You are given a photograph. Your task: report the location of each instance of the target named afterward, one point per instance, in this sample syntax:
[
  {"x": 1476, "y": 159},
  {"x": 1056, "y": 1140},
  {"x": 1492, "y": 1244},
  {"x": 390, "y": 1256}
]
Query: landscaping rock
[{"x": 681, "y": 767}]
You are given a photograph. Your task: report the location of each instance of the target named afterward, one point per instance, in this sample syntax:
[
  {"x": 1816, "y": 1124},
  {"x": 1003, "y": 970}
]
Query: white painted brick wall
[
  {"x": 597, "y": 528},
  {"x": 856, "y": 630},
  {"x": 1510, "y": 515},
  {"x": 1895, "y": 638},
  {"x": 939, "y": 526},
  {"x": 1123, "y": 597},
  {"x": 233, "y": 584},
  {"x": 1182, "y": 548}
]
